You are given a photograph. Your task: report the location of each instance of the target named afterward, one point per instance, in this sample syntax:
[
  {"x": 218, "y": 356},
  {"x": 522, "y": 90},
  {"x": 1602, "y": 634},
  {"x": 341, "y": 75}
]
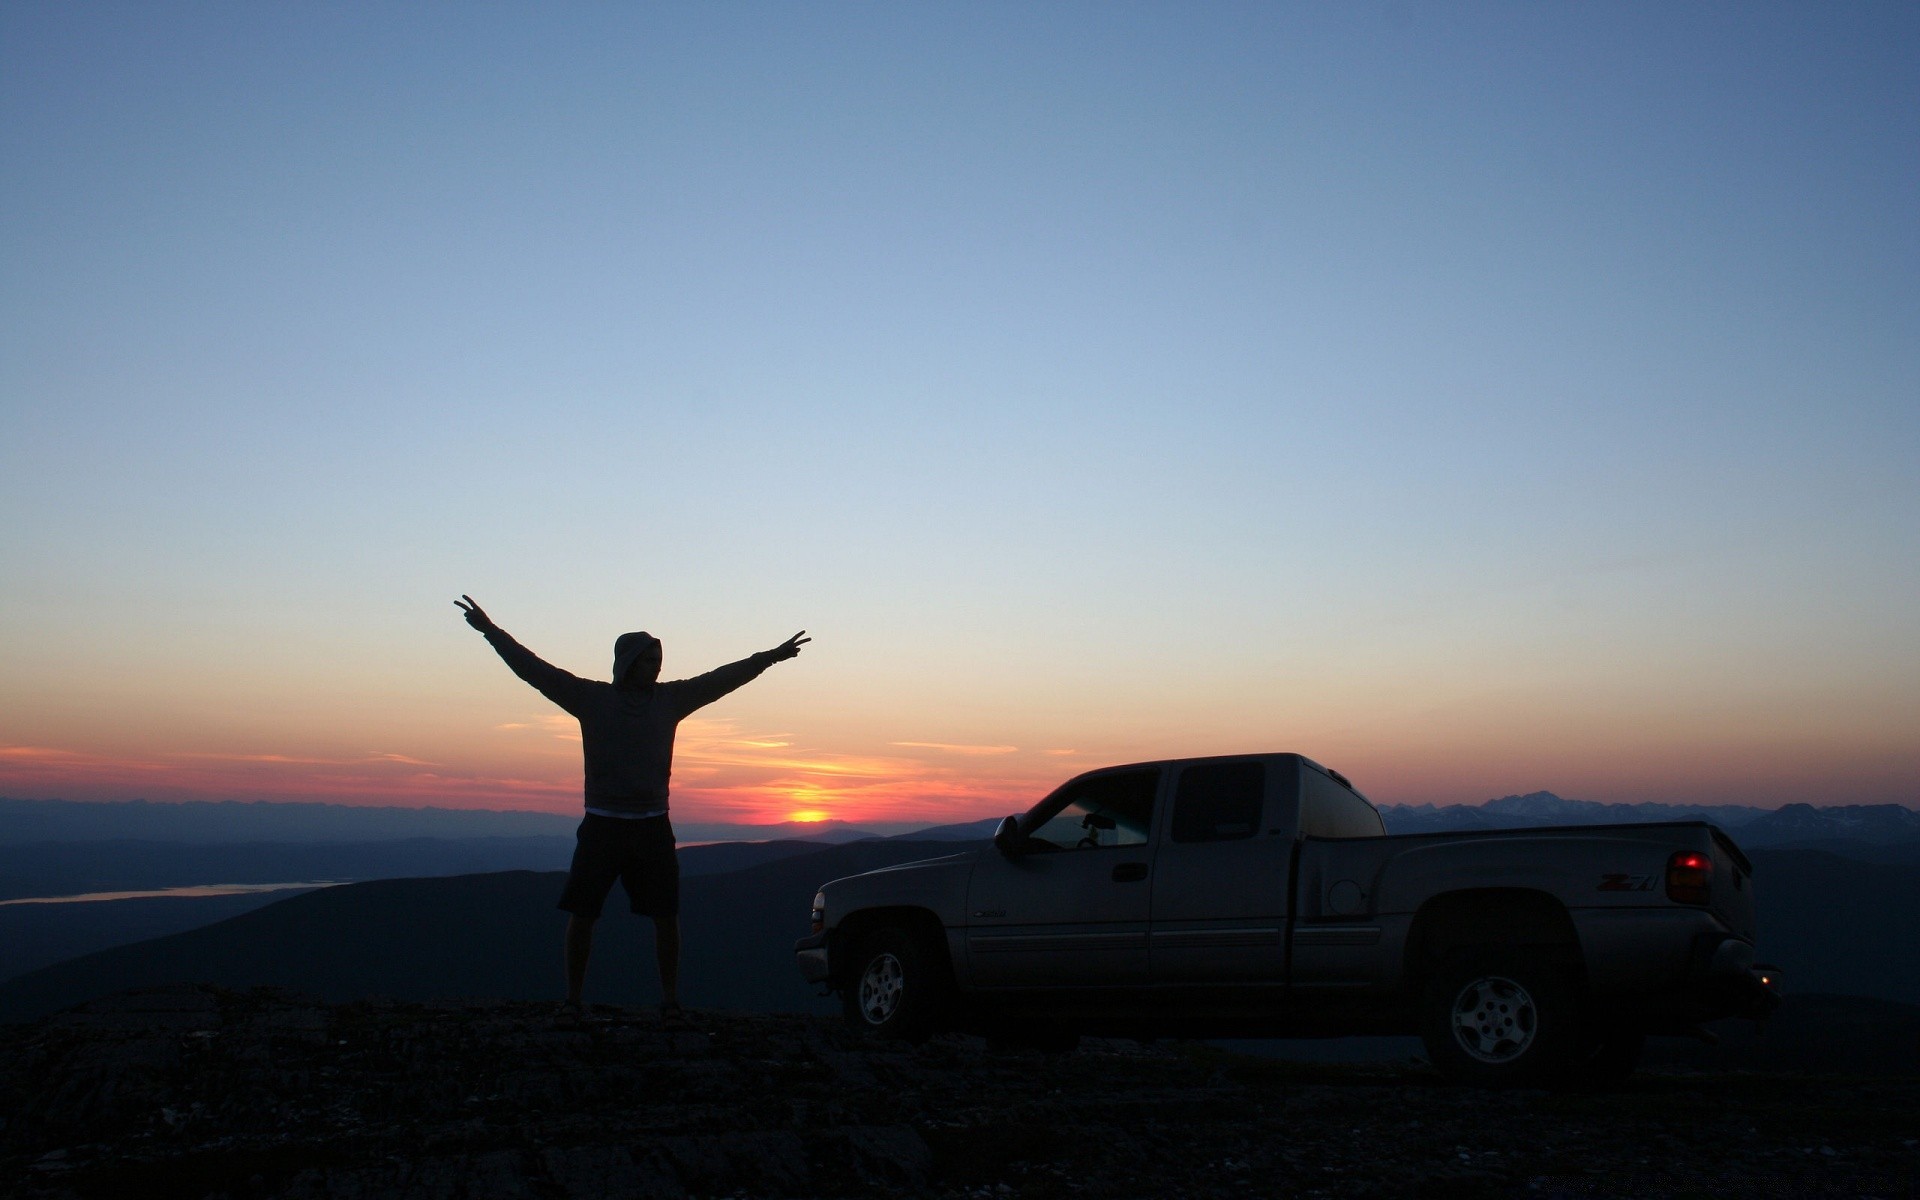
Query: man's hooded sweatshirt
[{"x": 626, "y": 732}]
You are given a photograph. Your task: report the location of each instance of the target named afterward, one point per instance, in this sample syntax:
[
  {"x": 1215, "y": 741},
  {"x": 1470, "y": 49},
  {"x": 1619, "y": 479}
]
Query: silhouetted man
[{"x": 626, "y": 732}]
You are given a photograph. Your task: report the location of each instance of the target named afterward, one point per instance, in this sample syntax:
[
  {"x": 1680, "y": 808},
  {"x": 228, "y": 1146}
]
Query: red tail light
[{"x": 1689, "y": 877}]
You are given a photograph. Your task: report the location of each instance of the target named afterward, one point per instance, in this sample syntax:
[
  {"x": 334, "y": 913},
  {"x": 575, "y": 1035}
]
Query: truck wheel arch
[
  {"x": 922, "y": 922},
  {"x": 1487, "y": 917}
]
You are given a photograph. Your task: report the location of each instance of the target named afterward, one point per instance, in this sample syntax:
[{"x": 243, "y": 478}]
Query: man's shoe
[{"x": 674, "y": 1019}]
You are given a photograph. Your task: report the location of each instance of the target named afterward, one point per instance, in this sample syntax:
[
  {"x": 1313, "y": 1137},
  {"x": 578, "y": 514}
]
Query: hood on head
[{"x": 627, "y": 648}]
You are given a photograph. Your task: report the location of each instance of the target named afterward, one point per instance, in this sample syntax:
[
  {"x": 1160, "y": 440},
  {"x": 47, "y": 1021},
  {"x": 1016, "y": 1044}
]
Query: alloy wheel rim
[
  {"x": 1495, "y": 1020},
  {"x": 881, "y": 987}
]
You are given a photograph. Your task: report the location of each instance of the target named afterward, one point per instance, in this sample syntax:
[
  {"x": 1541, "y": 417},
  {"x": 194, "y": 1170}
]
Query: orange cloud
[
  {"x": 38, "y": 754},
  {"x": 371, "y": 756},
  {"x": 951, "y": 748},
  {"x": 282, "y": 759},
  {"x": 559, "y": 726}
]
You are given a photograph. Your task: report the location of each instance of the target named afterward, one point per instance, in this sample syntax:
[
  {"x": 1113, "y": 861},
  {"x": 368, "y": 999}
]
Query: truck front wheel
[
  {"x": 895, "y": 985},
  {"x": 1502, "y": 1019}
]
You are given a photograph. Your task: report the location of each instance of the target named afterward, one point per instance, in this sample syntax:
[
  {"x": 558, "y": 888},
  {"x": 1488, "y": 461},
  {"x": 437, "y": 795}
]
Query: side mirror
[{"x": 1006, "y": 838}]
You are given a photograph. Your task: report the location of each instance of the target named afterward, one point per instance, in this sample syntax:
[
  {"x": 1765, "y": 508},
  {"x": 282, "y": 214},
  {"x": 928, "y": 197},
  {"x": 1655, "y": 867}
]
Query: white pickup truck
[{"x": 1260, "y": 896}]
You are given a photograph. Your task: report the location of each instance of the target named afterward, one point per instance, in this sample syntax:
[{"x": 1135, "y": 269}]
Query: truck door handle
[{"x": 1129, "y": 872}]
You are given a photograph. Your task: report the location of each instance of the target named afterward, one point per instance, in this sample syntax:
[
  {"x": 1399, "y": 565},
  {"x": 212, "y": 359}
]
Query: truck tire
[
  {"x": 1503, "y": 1019},
  {"x": 896, "y": 985}
]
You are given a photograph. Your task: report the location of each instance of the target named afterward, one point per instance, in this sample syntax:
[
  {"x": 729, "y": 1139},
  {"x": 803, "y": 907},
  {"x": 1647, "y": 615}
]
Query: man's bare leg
[
  {"x": 579, "y": 949},
  {"x": 666, "y": 951}
]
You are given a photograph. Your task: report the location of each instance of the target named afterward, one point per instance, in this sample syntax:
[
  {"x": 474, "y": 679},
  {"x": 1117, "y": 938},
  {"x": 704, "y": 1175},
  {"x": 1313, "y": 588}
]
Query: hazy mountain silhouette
[
  {"x": 227, "y": 822},
  {"x": 74, "y": 868},
  {"x": 1545, "y": 808},
  {"x": 969, "y": 831},
  {"x": 234, "y": 821},
  {"x": 71, "y": 868},
  {"x": 492, "y": 935},
  {"x": 35, "y": 935},
  {"x": 830, "y": 831},
  {"x": 1793, "y": 824},
  {"x": 216, "y": 821},
  {"x": 720, "y": 857},
  {"x": 1801, "y": 824}
]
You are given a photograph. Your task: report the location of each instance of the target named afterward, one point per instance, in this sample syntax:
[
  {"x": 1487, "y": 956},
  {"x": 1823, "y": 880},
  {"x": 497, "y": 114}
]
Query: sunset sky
[{"x": 1475, "y": 398}]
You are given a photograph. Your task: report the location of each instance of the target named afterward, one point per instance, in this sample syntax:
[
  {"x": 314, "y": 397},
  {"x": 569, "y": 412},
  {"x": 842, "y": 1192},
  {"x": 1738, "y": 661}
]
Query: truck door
[
  {"x": 1070, "y": 909},
  {"x": 1220, "y": 891}
]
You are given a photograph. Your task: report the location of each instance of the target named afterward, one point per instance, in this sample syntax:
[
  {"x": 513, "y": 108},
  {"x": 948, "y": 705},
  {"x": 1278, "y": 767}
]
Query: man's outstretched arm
[
  {"x": 556, "y": 685},
  {"x": 703, "y": 690}
]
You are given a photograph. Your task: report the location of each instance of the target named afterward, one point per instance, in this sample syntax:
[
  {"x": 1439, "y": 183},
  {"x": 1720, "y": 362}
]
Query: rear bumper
[
  {"x": 810, "y": 955},
  {"x": 1725, "y": 981}
]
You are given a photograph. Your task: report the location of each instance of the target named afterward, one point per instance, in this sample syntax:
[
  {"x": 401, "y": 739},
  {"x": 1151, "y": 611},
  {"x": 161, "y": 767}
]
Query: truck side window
[
  {"x": 1107, "y": 810},
  {"x": 1328, "y": 809},
  {"x": 1218, "y": 802}
]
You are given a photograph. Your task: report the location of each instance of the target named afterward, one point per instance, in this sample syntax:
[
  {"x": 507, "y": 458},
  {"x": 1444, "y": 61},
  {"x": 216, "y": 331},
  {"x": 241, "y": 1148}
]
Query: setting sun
[{"x": 808, "y": 816}]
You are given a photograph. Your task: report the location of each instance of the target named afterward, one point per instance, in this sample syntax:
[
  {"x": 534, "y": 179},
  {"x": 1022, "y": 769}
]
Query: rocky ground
[{"x": 194, "y": 1092}]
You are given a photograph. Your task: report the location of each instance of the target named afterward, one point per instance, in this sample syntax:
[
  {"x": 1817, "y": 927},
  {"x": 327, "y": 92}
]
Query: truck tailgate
[{"x": 1732, "y": 886}]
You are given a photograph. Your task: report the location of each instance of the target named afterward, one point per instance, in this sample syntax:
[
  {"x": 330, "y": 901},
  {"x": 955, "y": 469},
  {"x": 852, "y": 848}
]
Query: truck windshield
[{"x": 1107, "y": 810}]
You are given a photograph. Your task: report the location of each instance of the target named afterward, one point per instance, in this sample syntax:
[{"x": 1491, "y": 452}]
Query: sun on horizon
[{"x": 808, "y": 816}]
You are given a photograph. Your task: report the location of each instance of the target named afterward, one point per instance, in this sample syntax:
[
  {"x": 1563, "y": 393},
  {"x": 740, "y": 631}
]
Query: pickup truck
[{"x": 1260, "y": 896}]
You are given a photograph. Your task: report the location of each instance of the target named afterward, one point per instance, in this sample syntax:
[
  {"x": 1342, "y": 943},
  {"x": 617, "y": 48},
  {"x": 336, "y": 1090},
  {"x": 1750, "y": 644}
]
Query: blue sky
[{"x": 1477, "y": 398}]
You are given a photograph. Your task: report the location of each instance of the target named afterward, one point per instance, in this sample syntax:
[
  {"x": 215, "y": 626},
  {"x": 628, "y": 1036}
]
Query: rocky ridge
[{"x": 194, "y": 1092}]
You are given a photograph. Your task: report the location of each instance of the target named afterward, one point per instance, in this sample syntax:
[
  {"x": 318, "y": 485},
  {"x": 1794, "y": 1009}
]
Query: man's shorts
[{"x": 638, "y": 853}]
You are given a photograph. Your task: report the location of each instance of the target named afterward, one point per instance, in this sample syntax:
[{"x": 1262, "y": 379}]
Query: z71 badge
[{"x": 1626, "y": 883}]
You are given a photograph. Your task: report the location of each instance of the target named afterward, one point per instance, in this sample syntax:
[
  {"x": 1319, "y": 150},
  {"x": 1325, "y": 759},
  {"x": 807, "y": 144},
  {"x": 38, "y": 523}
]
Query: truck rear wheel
[
  {"x": 1503, "y": 1019},
  {"x": 896, "y": 984}
]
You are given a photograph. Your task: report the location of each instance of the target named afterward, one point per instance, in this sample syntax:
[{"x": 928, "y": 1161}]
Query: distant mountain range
[{"x": 1791, "y": 824}]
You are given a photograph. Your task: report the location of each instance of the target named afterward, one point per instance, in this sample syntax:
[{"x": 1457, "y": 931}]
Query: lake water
[{"x": 198, "y": 889}]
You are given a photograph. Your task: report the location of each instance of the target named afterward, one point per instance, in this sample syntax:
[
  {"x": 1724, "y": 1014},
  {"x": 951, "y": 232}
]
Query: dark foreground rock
[{"x": 195, "y": 1092}]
